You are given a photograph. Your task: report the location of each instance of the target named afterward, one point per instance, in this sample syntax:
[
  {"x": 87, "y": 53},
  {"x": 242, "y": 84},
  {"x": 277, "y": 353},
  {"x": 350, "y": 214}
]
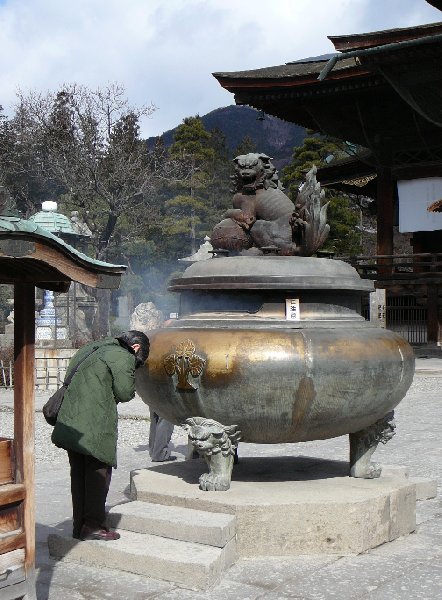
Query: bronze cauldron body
[
  {"x": 273, "y": 349},
  {"x": 238, "y": 356}
]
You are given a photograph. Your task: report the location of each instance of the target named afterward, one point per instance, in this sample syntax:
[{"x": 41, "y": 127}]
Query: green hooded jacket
[{"x": 88, "y": 419}]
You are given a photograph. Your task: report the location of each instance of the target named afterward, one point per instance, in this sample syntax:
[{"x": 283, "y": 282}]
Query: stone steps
[
  {"x": 188, "y": 547},
  {"x": 174, "y": 522}
]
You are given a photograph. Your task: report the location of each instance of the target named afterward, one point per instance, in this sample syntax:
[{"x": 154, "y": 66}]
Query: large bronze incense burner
[{"x": 272, "y": 349}]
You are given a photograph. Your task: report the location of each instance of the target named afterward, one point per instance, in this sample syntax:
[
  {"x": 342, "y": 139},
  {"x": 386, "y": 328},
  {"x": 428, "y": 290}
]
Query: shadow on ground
[{"x": 256, "y": 469}]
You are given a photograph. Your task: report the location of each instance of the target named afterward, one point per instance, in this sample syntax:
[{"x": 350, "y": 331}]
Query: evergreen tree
[
  {"x": 20, "y": 161},
  {"x": 219, "y": 193},
  {"x": 199, "y": 195},
  {"x": 342, "y": 213},
  {"x": 245, "y": 146},
  {"x": 315, "y": 150}
]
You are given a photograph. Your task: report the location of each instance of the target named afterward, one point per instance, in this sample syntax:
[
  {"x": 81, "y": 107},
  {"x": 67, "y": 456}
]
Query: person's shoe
[
  {"x": 88, "y": 533},
  {"x": 168, "y": 459}
]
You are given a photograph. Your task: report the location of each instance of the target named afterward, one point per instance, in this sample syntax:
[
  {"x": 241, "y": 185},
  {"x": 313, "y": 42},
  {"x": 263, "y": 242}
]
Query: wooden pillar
[
  {"x": 417, "y": 242},
  {"x": 433, "y": 317},
  {"x": 385, "y": 217},
  {"x": 24, "y": 386}
]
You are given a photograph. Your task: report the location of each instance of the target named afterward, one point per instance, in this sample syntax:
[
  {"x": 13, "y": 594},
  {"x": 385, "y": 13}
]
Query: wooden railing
[
  {"x": 49, "y": 373},
  {"x": 6, "y": 373},
  {"x": 398, "y": 266}
]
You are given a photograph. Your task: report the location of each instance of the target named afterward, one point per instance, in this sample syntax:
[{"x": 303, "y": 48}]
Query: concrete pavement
[{"x": 409, "y": 568}]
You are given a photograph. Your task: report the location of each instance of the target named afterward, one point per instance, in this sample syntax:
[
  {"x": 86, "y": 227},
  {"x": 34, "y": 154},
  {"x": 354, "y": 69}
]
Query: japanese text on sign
[
  {"x": 381, "y": 312},
  {"x": 292, "y": 309}
]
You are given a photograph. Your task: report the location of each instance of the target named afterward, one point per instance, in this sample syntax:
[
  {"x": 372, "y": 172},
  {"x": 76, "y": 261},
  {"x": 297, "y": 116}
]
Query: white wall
[{"x": 415, "y": 196}]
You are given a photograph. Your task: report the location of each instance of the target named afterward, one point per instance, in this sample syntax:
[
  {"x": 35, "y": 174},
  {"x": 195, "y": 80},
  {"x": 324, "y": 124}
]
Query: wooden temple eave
[
  {"x": 386, "y": 53},
  {"x": 345, "y": 43},
  {"x": 342, "y": 81},
  {"x": 359, "y": 69},
  {"x": 357, "y": 175},
  {"x": 37, "y": 260},
  {"x": 312, "y": 92}
]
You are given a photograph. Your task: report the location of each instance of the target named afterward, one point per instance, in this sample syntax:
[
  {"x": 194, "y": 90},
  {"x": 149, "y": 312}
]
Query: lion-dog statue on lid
[{"x": 263, "y": 216}]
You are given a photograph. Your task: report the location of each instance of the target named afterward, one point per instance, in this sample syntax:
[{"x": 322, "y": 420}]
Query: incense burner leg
[
  {"x": 217, "y": 444},
  {"x": 363, "y": 444}
]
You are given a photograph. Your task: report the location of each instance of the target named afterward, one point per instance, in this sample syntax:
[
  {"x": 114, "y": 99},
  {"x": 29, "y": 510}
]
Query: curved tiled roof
[
  {"x": 53, "y": 222},
  {"x": 291, "y": 70},
  {"x": 32, "y": 253}
]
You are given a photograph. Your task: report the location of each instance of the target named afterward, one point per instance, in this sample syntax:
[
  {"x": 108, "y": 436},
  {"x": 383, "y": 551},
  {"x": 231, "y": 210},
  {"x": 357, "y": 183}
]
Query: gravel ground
[{"x": 132, "y": 433}]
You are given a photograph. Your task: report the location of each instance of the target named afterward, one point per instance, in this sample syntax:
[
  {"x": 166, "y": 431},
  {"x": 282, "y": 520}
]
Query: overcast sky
[{"x": 164, "y": 51}]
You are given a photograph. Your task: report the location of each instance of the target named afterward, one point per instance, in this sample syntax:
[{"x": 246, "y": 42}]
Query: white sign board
[
  {"x": 415, "y": 196},
  {"x": 377, "y": 307},
  {"x": 292, "y": 309}
]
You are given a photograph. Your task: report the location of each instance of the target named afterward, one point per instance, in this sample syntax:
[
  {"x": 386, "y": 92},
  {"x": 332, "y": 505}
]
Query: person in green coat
[{"x": 87, "y": 424}]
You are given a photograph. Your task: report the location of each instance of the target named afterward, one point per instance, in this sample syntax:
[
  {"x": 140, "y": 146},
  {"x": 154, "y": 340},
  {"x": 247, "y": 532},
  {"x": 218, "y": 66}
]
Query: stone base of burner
[{"x": 286, "y": 506}]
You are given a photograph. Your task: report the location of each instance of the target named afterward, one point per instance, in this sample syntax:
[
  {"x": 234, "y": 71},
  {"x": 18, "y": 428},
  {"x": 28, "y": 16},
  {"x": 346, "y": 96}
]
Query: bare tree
[{"x": 86, "y": 143}]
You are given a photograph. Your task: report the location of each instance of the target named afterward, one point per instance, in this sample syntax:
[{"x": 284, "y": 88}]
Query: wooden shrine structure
[
  {"x": 30, "y": 256},
  {"x": 380, "y": 91}
]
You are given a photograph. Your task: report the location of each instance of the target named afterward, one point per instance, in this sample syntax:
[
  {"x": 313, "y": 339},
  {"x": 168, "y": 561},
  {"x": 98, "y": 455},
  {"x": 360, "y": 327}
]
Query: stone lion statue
[
  {"x": 217, "y": 444},
  {"x": 263, "y": 216}
]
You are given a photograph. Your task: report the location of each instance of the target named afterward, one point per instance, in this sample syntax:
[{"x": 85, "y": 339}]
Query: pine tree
[
  {"x": 342, "y": 214},
  {"x": 190, "y": 212},
  {"x": 245, "y": 146}
]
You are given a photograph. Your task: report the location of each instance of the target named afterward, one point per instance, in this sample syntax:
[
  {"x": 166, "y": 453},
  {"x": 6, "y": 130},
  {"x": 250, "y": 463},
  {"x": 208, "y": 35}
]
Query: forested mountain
[{"x": 273, "y": 136}]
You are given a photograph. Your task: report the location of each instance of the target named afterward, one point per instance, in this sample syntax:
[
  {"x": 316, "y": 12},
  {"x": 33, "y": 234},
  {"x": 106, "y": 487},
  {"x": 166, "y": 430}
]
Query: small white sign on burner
[{"x": 292, "y": 309}]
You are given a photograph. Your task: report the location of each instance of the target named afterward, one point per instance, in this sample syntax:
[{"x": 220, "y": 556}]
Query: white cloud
[{"x": 164, "y": 51}]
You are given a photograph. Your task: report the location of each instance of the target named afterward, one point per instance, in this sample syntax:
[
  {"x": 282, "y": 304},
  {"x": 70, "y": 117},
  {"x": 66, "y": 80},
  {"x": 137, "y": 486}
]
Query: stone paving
[{"x": 409, "y": 568}]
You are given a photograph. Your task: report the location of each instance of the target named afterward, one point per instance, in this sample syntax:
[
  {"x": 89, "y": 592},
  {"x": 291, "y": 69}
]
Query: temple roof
[
  {"x": 356, "y": 41},
  {"x": 384, "y": 97},
  {"x": 280, "y": 76},
  {"x": 53, "y": 222},
  {"x": 353, "y": 174},
  {"x": 58, "y": 223}
]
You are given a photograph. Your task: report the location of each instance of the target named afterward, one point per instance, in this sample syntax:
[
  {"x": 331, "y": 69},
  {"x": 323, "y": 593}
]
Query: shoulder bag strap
[{"x": 68, "y": 379}]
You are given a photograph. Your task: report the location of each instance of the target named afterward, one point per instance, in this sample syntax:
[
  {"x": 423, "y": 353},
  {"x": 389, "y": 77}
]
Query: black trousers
[{"x": 90, "y": 481}]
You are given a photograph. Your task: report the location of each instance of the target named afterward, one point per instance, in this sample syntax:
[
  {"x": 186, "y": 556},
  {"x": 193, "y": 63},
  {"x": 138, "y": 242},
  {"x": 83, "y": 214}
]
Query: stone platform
[
  {"x": 286, "y": 506},
  {"x": 277, "y": 506}
]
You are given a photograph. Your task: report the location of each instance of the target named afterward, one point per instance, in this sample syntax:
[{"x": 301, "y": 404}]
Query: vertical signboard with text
[{"x": 292, "y": 309}]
